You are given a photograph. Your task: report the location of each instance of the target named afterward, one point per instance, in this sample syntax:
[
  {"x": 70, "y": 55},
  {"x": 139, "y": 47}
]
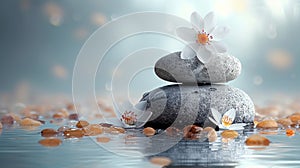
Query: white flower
[
  {"x": 130, "y": 116},
  {"x": 225, "y": 121},
  {"x": 203, "y": 38}
]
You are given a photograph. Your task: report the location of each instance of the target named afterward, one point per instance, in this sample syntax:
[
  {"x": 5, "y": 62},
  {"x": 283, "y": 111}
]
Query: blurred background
[{"x": 40, "y": 41}]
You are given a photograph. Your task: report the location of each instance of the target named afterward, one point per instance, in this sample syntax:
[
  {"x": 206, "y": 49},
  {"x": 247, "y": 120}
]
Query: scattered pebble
[
  {"x": 7, "y": 120},
  {"x": 161, "y": 161},
  {"x": 149, "y": 131},
  {"x": 50, "y": 142},
  {"x": 257, "y": 140},
  {"x": 1, "y": 125},
  {"x": 285, "y": 122},
  {"x": 92, "y": 130},
  {"x": 73, "y": 116},
  {"x": 30, "y": 122},
  {"x": 73, "y": 133},
  {"x": 82, "y": 123},
  {"x": 211, "y": 134},
  {"x": 63, "y": 128},
  {"x": 290, "y": 132},
  {"x": 48, "y": 132},
  {"x": 58, "y": 115},
  {"x": 103, "y": 139},
  {"x": 295, "y": 118},
  {"x": 105, "y": 125},
  {"x": 229, "y": 134},
  {"x": 269, "y": 124},
  {"x": 172, "y": 131},
  {"x": 114, "y": 130},
  {"x": 192, "y": 132}
]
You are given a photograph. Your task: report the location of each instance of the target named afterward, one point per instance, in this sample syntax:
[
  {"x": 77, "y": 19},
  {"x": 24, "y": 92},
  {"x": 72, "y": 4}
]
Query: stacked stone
[{"x": 200, "y": 87}]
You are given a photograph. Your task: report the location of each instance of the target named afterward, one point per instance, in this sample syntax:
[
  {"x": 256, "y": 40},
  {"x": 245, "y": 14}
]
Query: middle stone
[{"x": 220, "y": 69}]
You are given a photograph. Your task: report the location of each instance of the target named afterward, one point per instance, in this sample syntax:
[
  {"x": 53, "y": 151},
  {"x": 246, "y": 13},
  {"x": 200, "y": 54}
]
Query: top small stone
[{"x": 220, "y": 69}]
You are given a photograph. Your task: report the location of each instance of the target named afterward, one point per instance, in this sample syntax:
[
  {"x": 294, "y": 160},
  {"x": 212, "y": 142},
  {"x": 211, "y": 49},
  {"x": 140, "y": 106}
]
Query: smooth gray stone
[
  {"x": 181, "y": 105},
  {"x": 220, "y": 69}
]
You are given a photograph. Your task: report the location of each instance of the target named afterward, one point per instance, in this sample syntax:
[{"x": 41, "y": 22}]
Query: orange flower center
[
  {"x": 203, "y": 38},
  {"x": 226, "y": 121}
]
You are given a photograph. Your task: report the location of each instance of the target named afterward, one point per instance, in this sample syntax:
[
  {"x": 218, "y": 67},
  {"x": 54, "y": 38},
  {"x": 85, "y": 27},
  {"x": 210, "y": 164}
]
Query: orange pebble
[
  {"x": 92, "y": 130},
  {"x": 48, "y": 132},
  {"x": 103, "y": 139},
  {"x": 161, "y": 161},
  {"x": 257, "y": 140},
  {"x": 285, "y": 122},
  {"x": 82, "y": 123},
  {"x": 231, "y": 134},
  {"x": 58, "y": 115},
  {"x": 192, "y": 132},
  {"x": 290, "y": 132},
  {"x": 295, "y": 118},
  {"x": 267, "y": 124},
  {"x": 50, "y": 142},
  {"x": 211, "y": 134},
  {"x": 30, "y": 122},
  {"x": 149, "y": 131},
  {"x": 73, "y": 133}
]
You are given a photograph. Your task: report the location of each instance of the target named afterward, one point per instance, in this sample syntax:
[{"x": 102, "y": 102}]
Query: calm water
[{"x": 20, "y": 148}]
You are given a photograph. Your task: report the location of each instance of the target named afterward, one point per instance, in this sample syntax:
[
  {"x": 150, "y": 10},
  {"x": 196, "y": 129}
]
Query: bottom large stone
[{"x": 180, "y": 105}]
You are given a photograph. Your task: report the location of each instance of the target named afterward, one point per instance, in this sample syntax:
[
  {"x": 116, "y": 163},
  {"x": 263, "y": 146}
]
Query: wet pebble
[
  {"x": 285, "y": 122},
  {"x": 73, "y": 116},
  {"x": 62, "y": 129},
  {"x": 30, "y": 122},
  {"x": 1, "y": 125},
  {"x": 92, "y": 130},
  {"x": 192, "y": 132},
  {"x": 229, "y": 134},
  {"x": 82, "y": 123},
  {"x": 73, "y": 133},
  {"x": 257, "y": 140},
  {"x": 149, "y": 131},
  {"x": 290, "y": 132},
  {"x": 268, "y": 124},
  {"x": 211, "y": 134},
  {"x": 161, "y": 161},
  {"x": 103, "y": 139},
  {"x": 50, "y": 142},
  {"x": 48, "y": 132},
  {"x": 7, "y": 120}
]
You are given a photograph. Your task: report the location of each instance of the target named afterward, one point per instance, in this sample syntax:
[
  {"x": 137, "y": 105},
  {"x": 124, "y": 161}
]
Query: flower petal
[
  {"x": 217, "y": 116},
  {"x": 141, "y": 105},
  {"x": 219, "y": 47},
  {"x": 142, "y": 120},
  {"x": 203, "y": 54},
  {"x": 187, "y": 53},
  {"x": 211, "y": 48},
  {"x": 231, "y": 114},
  {"x": 213, "y": 121},
  {"x": 219, "y": 33},
  {"x": 209, "y": 22},
  {"x": 187, "y": 34},
  {"x": 197, "y": 21}
]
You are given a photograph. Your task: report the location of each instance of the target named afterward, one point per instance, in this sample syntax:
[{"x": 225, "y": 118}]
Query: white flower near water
[
  {"x": 130, "y": 116},
  {"x": 203, "y": 38},
  {"x": 225, "y": 121}
]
